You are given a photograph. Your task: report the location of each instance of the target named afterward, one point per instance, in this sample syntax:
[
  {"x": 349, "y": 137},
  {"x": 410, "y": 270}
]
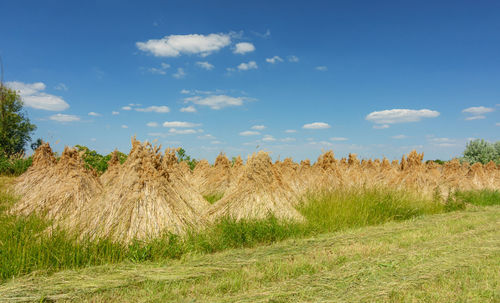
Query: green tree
[
  {"x": 15, "y": 127},
  {"x": 481, "y": 151},
  {"x": 183, "y": 156},
  {"x": 36, "y": 144}
]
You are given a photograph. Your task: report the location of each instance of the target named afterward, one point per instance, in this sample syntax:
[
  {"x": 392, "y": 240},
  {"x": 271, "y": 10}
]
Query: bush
[
  {"x": 94, "y": 160},
  {"x": 482, "y": 151},
  {"x": 14, "y": 165}
]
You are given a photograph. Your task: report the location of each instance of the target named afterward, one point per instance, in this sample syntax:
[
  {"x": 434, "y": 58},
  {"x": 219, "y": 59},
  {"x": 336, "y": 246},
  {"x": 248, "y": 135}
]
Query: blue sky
[{"x": 290, "y": 77}]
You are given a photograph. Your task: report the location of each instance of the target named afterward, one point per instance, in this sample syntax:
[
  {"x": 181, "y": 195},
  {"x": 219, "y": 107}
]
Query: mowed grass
[
  {"x": 450, "y": 257},
  {"x": 25, "y": 248}
]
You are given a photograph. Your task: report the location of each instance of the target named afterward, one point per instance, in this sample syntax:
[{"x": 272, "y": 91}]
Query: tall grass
[
  {"x": 14, "y": 165},
  {"x": 26, "y": 247}
]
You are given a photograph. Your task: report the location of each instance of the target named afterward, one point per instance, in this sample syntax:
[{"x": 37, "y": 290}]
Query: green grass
[
  {"x": 450, "y": 257},
  {"x": 213, "y": 198},
  {"x": 13, "y": 166},
  {"x": 25, "y": 247}
]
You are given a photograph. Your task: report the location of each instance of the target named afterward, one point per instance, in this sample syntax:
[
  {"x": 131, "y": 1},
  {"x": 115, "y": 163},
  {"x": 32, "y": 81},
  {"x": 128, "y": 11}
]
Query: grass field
[
  {"x": 452, "y": 257},
  {"x": 356, "y": 245}
]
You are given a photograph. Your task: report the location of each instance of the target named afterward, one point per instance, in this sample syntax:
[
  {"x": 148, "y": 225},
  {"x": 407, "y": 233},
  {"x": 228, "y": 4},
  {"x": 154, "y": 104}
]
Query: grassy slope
[{"x": 437, "y": 258}]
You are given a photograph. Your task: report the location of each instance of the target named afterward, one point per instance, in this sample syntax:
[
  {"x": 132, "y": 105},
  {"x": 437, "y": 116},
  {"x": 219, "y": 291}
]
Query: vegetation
[
  {"x": 213, "y": 198},
  {"x": 482, "y": 151},
  {"x": 14, "y": 165},
  {"x": 182, "y": 156},
  {"x": 24, "y": 247},
  {"x": 94, "y": 160},
  {"x": 15, "y": 127},
  {"x": 451, "y": 257}
]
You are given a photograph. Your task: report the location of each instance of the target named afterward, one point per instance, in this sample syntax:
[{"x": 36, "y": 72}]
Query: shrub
[{"x": 481, "y": 151}]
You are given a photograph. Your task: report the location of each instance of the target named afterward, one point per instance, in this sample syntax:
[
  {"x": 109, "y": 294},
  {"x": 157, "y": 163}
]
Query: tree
[
  {"x": 480, "y": 151},
  {"x": 36, "y": 144},
  {"x": 15, "y": 127}
]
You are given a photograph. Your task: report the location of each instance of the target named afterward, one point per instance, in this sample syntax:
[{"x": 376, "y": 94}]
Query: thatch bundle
[
  {"x": 56, "y": 190},
  {"x": 113, "y": 168},
  {"x": 144, "y": 202},
  {"x": 260, "y": 191},
  {"x": 219, "y": 178}
]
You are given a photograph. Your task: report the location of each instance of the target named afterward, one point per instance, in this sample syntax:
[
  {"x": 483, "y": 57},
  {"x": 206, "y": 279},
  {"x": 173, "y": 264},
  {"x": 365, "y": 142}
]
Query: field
[{"x": 152, "y": 229}]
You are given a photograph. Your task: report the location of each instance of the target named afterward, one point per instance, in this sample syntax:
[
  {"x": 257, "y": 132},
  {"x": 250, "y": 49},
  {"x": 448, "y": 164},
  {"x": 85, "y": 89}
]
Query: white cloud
[
  {"x": 265, "y": 35},
  {"x": 33, "y": 96},
  {"x": 322, "y": 143},
  {"x": 216, "y": 142},
  {"x": 392, "y": 116},
  {"x": 442, "y": 140},
  {"x": 258, "y": 127},
  {"x": 179, "y": 124},
  {"x": 248, "y": 66},
  {"x": 207, "y": 136},
  {"x": 185, "y": 92},
  {"x": 152, "y": 124},
  {"x": 157, "y": 109},
  {"x": 274, "y": 60},
  {"x": 268, "y": 138},
  {"x": 127, "y": 108},
  {"x": 479, "y": 110},
  {"x": 176, "y": 45},
  {"x": 93, "y": 139},
  {"x": 497, "y": 124},
  {"x": 157, "y": 71},
  {"x": 316, "y": 125},
  {"x": 114, "y": 113},
  {"x": 249, "y": 133},
  {"x": 338, "y": 139},
  {"x": 290, "y": 131},
  {"x": 399, "y": 137},
  {"x": 64, "y": 118},
  {"x": 124, "y": 126},
  {"x": 383, "y": 126},
  {"x": 243, "y": 48},
  {"x": 205, "y": 65},
  {"x": 182, "y": 131},
  {"x": 293, "y": 59},
  {"x": 180, "y": 73},
  {"x": 216, "y": 101},
  {"x": 94, "y": 114},
  {"x": 188, "y": 109},
  {"x": 61, "y": 86},
  {"x": 288, "y": 139},
  {"x": 475, "y": 118},
  {"x": 321, "y": 68}
]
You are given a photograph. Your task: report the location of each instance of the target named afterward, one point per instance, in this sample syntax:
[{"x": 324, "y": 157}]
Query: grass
[
  {"x": 25, "y": 247},
  {"x": 14, "y": 166},
  {"x": 213, "y": 198},
  {"x": 450, "y": 257}
]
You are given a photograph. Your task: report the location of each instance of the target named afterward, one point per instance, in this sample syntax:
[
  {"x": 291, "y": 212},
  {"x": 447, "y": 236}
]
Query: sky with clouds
[{"x": 290, "y": 77}]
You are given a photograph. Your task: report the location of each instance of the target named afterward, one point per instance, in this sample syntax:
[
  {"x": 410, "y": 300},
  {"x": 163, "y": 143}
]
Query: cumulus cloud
[
  {"x": 94, "y": 114},
  {"x": 382, "y": 126},
  {"x": 316, "y": 125},
  {"x": 205, "y": 65},
  {"x": 249, "y": 133},
  {"x": 188, "y": 109},
  {"x": 64, "y": 118},
  {"x": 293, "y": 59},
  {"x": 180, "y": 73},
  {"x": 248, "y": 66},
  {"x": 33, "y": 96},
  {"x": 61, "y": 86},
  {"x": 391, "y": 116},
  {"x": 258, "y": 127},
  {"x": 180, "y": 124},
  {"x": 321, "y": 68},
  {"x": 156, "y": 109},
  {"x": 475, "y": 118},
  {"x": 182, "y": 131},
  {"x": 399, "y": 137},
  {"x": 152, "y": 124},
  {"x": 216, "y": 101},
  {"x": 274, "y": 60},
  {"x": 243, "y": 48},
  {"x": 338, "y": 139},
  {"x": 114, "y": 113},
  {"x": 176, "y": 45},
  {"x": 479, "y": 110},
  {"x": 127, "y": 107},
  {"x": 216, "y": 142},
  {"x": 124, "y": 126},
  {"x": 268, "y": 138},
  {"x": 161, "y": 70}
]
